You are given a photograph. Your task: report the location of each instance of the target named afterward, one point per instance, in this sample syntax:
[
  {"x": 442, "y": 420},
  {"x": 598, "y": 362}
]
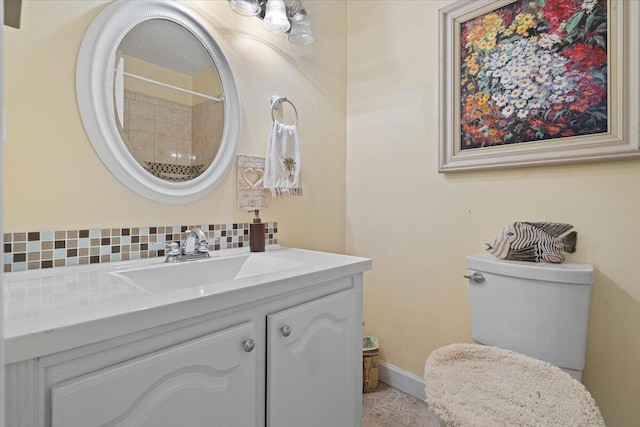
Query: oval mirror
[{"x": 158, "y": 100}]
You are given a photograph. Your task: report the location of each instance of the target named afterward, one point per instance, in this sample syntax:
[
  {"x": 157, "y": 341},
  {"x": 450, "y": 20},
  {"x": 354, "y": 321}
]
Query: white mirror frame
[{"x": 94, "y": 86}]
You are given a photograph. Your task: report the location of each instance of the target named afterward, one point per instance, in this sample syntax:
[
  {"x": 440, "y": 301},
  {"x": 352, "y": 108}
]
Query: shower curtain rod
[{"x": 171, "y": 86}]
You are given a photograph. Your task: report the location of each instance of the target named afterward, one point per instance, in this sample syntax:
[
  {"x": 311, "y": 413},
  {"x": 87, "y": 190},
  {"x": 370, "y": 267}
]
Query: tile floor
[{"x": 388, "y": 407}]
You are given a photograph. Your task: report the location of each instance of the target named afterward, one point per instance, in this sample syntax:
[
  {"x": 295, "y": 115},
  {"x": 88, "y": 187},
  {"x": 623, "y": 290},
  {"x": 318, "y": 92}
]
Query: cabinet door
[
  {"x": 311, "y": 362},
  {"x": 208, "y": 381}
]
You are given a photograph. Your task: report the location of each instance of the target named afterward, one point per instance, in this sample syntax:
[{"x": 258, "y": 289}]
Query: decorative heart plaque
[{"x": 251, "y": 194}]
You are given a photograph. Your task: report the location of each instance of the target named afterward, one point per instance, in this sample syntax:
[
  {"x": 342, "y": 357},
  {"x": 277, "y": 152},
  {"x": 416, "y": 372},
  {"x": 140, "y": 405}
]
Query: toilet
[{"x": 540, "y": 310}]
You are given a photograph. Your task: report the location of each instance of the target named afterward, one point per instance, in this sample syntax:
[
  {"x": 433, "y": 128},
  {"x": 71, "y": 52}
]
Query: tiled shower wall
[
  {"x": 151, "y": 130},
  {"x": 48, "y": 249},
  {"x": 207, "y": 124},
  {"x": 166, "y": 132}
]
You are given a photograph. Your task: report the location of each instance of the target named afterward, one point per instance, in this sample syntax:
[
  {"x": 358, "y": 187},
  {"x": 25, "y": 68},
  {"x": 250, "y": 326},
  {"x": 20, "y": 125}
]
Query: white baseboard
[{"x": 401, "y": 379}]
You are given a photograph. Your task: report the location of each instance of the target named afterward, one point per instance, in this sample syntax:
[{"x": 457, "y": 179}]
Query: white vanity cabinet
[
  {"x": 289, "y": 358},
  {"x": 191, "y": 384},
  {"x": 310, "y": 363}
]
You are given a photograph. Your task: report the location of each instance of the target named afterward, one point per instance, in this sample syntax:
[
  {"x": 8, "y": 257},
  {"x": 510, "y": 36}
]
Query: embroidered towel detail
[
  {"x": 286, "y": 192},
  {"x": 282, "y": 163}
]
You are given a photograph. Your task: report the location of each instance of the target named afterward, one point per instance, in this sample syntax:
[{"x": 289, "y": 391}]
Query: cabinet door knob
[
  {"x": 286, "y": 330},
  {"x": 249, "y": 345}
]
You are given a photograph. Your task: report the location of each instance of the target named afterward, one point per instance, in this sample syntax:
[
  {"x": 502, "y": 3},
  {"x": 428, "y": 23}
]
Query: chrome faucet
[
  {"x": 189, "y": 243},
  {"x": 194, "y": 246}
]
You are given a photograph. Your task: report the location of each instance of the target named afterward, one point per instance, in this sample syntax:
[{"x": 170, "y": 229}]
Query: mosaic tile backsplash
[{"x": 48, "y": 249}]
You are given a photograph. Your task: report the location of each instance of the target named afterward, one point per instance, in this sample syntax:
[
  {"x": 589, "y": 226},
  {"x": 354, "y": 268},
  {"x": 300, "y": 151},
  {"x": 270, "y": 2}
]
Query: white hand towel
[{"x": 282, "y": 163}]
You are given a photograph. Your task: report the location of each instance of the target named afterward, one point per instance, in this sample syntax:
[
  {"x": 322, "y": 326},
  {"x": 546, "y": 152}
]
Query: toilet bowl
[
  {"x": 537, "y": 309},
  {"x": 531, "y": 319}
]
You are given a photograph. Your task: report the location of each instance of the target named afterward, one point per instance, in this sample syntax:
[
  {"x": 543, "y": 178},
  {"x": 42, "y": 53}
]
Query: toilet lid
[{"x": 475, "y": 385}]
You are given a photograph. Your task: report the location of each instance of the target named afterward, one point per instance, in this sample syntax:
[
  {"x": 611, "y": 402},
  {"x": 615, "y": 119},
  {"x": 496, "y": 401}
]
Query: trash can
[{"x": 370, "y": 355}]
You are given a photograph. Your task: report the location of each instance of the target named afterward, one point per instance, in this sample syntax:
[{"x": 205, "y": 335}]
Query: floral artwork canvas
[{"x": 534, "y": 70}]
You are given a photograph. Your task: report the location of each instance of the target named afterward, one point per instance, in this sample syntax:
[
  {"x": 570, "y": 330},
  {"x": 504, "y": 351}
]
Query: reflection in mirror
[{"x": 168, "y": 100}]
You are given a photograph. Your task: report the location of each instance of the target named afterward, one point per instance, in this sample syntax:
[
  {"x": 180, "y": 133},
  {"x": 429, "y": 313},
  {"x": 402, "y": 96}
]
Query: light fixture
[
  {"x": 245, "y": 7},
  {"x": 275, "y": 17},
  {"x": 278, "y": 18},
  {"x": 300, "y": 26}
]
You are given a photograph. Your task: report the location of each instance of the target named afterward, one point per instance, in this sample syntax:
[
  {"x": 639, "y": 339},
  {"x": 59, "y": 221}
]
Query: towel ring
[{"x": 276, "y": 103}]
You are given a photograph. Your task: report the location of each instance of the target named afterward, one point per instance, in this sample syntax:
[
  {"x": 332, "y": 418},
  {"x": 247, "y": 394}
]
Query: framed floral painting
[{"x": 531, "y": 82}]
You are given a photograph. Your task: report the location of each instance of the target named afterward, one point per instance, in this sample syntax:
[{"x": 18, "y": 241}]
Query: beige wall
[
  {"x": 208, "y": 83},
  {"x": 54, "y": 180},
  {"x": 418, "y": 225}
]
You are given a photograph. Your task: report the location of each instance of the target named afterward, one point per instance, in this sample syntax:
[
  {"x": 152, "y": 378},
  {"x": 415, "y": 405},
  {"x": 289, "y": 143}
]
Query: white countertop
[{"x": 51, "y": 310}]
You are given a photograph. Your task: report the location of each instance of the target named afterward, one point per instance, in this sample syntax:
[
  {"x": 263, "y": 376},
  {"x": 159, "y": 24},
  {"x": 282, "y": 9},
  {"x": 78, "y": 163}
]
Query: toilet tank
[{"x": 537, "y": 309}]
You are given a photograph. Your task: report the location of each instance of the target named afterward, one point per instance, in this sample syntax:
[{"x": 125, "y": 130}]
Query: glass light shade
[
  {"x": 300, "y": 29},
  {"x": 245, "y": 7},
  {"x": 275, "y": 19}
]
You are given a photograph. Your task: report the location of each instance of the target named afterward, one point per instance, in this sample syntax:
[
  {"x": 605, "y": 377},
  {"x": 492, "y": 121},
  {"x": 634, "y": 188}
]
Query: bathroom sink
[{"x": 164, "y": 277}]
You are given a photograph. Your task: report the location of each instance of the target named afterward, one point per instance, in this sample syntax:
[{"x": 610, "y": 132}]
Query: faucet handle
[
  {"x": 201, "y": 234},
  {"x": 203, "y": 246},
  {"x": 203, "y": 243},
  {"x": 173, "y": 253},
  {"x": 174, "y": 248}
]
